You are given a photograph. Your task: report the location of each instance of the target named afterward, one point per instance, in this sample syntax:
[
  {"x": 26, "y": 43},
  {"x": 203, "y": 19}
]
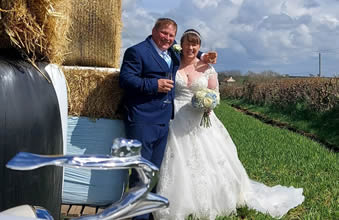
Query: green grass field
[
  {"x": 325, "y": 125},
  {"x": 276, "y": 156}
]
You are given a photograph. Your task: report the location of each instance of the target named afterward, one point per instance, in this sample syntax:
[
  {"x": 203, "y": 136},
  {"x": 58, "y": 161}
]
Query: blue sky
[
  {"x": 285, "y": 36},
  {"x": 158, "y": 5}
]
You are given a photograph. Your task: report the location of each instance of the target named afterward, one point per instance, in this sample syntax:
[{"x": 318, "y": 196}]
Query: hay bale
[
  {"x": 95, "y": 33},
  {"x": 93, "y": 92},
  {"x": 37, "y": 28}
]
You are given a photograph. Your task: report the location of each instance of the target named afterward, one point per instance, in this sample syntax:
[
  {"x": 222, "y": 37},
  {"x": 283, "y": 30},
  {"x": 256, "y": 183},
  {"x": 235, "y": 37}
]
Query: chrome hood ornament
[{"x": 125, "y": 155}]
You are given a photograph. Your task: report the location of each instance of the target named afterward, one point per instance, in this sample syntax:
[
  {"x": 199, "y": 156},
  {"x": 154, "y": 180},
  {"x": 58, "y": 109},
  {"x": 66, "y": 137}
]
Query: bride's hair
[{"x": 191, "y": 36}]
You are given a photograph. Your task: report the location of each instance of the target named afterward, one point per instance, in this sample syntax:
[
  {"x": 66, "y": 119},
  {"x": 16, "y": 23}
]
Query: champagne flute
[
  {"x": 212, "y": 56},
  {"x": 169, "y": 76}
]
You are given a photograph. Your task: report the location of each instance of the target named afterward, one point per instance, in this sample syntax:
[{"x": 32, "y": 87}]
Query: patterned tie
[{"x": 167, "y": 58}]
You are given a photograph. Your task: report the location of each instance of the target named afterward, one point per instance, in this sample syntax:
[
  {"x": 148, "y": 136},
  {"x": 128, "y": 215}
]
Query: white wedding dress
[{"x": 201, "y": 173}]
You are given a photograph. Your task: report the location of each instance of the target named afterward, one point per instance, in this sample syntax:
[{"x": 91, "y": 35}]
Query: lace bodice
[
  {"x": 183, "y": 92},
  {"x": 183, "y": 109}
]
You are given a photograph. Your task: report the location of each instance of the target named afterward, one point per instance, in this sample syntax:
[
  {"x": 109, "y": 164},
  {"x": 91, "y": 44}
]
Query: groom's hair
[{"x": 165, "y": 22}]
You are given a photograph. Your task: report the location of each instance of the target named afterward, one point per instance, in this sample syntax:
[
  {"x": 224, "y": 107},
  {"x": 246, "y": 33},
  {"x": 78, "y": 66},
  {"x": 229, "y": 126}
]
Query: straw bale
[
  {"x": 93, "y": 92},
  {"x": 37, "y": 28},
  {"x": 95, "y": 33}
]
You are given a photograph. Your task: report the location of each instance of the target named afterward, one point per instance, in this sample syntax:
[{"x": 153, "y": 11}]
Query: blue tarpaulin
[{"x": 94, "y": 187}]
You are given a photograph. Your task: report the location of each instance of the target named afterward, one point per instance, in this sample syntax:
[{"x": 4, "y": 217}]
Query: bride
[{"x": 201, "y": 173}]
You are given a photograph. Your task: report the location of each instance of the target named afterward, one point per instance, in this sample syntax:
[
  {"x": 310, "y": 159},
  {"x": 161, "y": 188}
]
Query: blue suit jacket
[{"x": 141, "y": 68}]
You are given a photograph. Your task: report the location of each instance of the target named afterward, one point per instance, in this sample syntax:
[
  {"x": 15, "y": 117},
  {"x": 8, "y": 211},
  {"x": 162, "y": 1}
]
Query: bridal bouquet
[{"x": 207, "y": 100}]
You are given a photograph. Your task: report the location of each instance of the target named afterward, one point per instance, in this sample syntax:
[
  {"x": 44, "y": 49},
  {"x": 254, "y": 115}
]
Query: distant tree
[
  {"x": 250, "y": 73},
  {"x": 231, "y": 73},
  {"x": 270, "y": 73},
  {"x": 266, "y": 75}
]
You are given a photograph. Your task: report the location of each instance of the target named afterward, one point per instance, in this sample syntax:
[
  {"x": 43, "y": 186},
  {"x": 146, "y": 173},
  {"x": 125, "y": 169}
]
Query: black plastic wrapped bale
[{"x": 29, "y": 122}]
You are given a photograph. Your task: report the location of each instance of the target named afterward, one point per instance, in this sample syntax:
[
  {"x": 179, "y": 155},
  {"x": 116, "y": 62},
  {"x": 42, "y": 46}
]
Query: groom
[
  {"x": 146, "y": 87},
  {"x": 143, "y": 78}
]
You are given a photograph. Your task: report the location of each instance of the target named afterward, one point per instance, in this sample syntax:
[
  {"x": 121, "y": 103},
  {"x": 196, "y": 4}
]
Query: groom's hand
[{"x": 165, "y": 85}]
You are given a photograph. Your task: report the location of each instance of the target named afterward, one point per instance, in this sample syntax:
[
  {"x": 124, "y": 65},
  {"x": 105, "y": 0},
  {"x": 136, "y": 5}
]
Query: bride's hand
[
  {"x": 210, "y": 57},
  {"x": 165, "y": 85}
]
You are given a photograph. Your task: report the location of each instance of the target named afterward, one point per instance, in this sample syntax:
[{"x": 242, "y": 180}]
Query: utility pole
[{"x": 319, "y": 64}]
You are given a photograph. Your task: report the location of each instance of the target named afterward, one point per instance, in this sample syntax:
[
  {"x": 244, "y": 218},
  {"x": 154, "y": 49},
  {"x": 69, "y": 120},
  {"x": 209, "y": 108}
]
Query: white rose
[
  {"x": 200, "y": 95},
  {"x": 208, "y": 102}
]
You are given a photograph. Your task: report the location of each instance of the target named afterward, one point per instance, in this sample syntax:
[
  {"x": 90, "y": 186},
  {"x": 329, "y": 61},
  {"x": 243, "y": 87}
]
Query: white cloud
[
  {"x": 279, "y": 35},
  {"x": 206, "y": 3},
  {"x": 311, "y": 4}
]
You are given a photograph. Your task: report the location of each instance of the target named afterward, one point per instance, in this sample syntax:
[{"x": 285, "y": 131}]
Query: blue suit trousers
[{"x": 154, "y": 139}]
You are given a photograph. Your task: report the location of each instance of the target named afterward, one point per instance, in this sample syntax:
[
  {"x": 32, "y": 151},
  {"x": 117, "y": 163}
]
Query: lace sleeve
[{"x": 213, "y": 82}]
